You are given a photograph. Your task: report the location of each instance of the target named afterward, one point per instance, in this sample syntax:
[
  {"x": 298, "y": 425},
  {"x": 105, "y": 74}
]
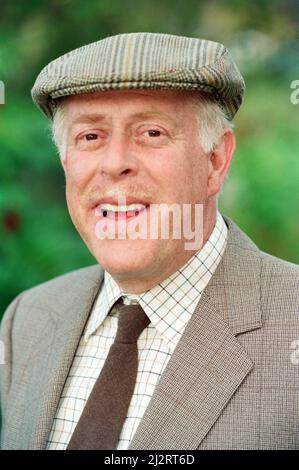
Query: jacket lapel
[
  {"x": 56, "y": 347},
  {"x": 208, "y": 364}
]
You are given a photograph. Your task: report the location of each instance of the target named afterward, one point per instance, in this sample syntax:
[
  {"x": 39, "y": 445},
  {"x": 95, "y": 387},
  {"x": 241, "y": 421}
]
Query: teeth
[{"x": 115, "y": 208}]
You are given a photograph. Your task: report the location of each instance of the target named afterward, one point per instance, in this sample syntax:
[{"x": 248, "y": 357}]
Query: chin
[{"x": 123, "y": 257}]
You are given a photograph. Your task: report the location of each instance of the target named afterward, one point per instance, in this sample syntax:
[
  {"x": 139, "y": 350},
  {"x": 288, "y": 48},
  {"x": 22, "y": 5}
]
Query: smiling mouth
[{"x": 120, "y": 212}]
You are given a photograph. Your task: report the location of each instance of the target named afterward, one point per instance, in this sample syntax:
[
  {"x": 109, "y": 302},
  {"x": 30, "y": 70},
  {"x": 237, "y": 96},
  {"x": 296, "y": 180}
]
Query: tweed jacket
[{"x": 231, "y": 383}]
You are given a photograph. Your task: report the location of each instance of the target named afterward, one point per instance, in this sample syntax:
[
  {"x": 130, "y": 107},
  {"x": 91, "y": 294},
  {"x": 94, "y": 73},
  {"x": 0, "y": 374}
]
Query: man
[{"x": 143, "y": 125}]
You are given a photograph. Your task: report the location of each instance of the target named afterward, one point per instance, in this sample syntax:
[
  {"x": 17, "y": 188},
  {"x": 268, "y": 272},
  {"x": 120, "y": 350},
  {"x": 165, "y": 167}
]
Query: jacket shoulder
[
  {"x": 276, "y": 280},
  {"x": 280, "y": 290},
  {"x": 277, "y": 268},
  {"x": 57, "y": 289},
  {"x": 60, "y": 284}
]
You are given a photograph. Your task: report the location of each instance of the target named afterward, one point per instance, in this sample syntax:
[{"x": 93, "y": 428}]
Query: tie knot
[{"x": 131, "y": 322}]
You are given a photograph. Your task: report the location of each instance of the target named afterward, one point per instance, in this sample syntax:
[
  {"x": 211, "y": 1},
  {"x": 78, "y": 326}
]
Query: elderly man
[{"x": 165, "y": 343}]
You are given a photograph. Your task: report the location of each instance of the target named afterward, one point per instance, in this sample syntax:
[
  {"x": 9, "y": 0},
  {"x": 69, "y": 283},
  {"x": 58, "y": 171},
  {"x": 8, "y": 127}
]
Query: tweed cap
[{"x": 139, "y": 61}]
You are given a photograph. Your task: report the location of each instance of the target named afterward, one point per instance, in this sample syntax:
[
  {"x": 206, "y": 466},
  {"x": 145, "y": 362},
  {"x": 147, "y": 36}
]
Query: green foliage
[
  {"x": 261, "y": 193},
  {"x": 38, "y": 240}
]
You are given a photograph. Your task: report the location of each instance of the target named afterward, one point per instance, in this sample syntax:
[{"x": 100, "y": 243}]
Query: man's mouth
[{"x": 120, "y": 212}]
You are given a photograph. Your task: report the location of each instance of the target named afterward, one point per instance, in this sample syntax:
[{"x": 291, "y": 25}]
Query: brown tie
[{"x": 103, "y": 416}]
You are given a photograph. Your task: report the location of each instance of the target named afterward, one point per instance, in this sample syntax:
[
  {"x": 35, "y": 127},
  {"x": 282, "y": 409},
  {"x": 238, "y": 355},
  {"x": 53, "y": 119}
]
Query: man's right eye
[
  {"x": 91, "y": 136},
  {"x": 89, "y": 140}
]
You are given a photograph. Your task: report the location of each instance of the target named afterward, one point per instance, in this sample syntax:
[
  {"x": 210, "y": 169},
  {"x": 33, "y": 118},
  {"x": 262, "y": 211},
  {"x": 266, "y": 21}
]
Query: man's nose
[{"x": 118, "y": 157}]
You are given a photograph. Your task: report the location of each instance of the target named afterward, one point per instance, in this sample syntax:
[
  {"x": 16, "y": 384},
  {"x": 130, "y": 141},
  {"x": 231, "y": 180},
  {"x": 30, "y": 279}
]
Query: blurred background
[{"x": 38, "y": 241}]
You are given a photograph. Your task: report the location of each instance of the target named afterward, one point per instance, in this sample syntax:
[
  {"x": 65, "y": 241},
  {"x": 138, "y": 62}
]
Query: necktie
[{"x": 102, "y": 419}]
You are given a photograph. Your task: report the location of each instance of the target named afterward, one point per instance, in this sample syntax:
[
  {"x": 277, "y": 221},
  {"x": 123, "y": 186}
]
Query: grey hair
[
  {"x": 211, "y": 119},
  {"x": 58, "y": 127}
]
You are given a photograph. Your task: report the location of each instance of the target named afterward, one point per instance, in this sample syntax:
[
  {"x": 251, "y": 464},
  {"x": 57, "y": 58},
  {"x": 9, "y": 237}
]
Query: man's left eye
[{"x": 153, "y": 133}]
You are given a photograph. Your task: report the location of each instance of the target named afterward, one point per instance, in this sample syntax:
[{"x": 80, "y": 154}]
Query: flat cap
[{"x": 139, "y": 61}]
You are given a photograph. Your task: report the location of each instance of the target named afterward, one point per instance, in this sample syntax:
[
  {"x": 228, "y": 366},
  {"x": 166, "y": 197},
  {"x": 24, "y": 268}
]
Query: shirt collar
[{"x": 170, "y": 304}]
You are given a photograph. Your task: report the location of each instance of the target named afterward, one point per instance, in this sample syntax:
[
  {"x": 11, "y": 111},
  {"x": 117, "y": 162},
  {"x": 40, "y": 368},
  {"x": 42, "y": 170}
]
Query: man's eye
[
  {"x": 89, "y": 140},
  {"x": 91, "y": 136},
  {"x": 153, "y": 133}
]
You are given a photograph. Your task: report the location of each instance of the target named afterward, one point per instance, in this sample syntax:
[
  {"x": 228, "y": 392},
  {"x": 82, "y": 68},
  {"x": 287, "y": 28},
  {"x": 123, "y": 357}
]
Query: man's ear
[{"x": 220, "y": 160}]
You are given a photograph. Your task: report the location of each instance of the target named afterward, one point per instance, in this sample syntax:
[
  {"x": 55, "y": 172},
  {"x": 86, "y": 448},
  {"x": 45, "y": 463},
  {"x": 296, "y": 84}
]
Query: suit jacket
[{"x": 231, "y": 383}]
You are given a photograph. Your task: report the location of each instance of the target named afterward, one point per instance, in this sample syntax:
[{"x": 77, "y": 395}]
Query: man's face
[{"x": 144, "y": 146}]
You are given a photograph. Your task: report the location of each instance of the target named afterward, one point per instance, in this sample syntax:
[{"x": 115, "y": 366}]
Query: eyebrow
[
  {"x": 87, "y": 118},
  {"x": 149, "y": 114},
  {"x": 94, "y": 118}
]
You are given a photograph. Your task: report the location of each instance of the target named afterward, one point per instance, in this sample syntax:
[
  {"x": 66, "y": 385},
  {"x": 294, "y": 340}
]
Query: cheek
[
  {"x": 194, "y": 168},
  {"x": 198, "y": 177},
  {"x": 181, "y": 174},
  {"x": 78, "y": 171}
]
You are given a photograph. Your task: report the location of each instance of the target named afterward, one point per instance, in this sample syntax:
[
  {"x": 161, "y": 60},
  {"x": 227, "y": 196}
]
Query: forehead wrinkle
[
  {"x": 95, "y": 118},
  {"x": 178, "y": 100},
  {"x": 144, "y": 115},
  {"x": 86, "y": 118}
]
